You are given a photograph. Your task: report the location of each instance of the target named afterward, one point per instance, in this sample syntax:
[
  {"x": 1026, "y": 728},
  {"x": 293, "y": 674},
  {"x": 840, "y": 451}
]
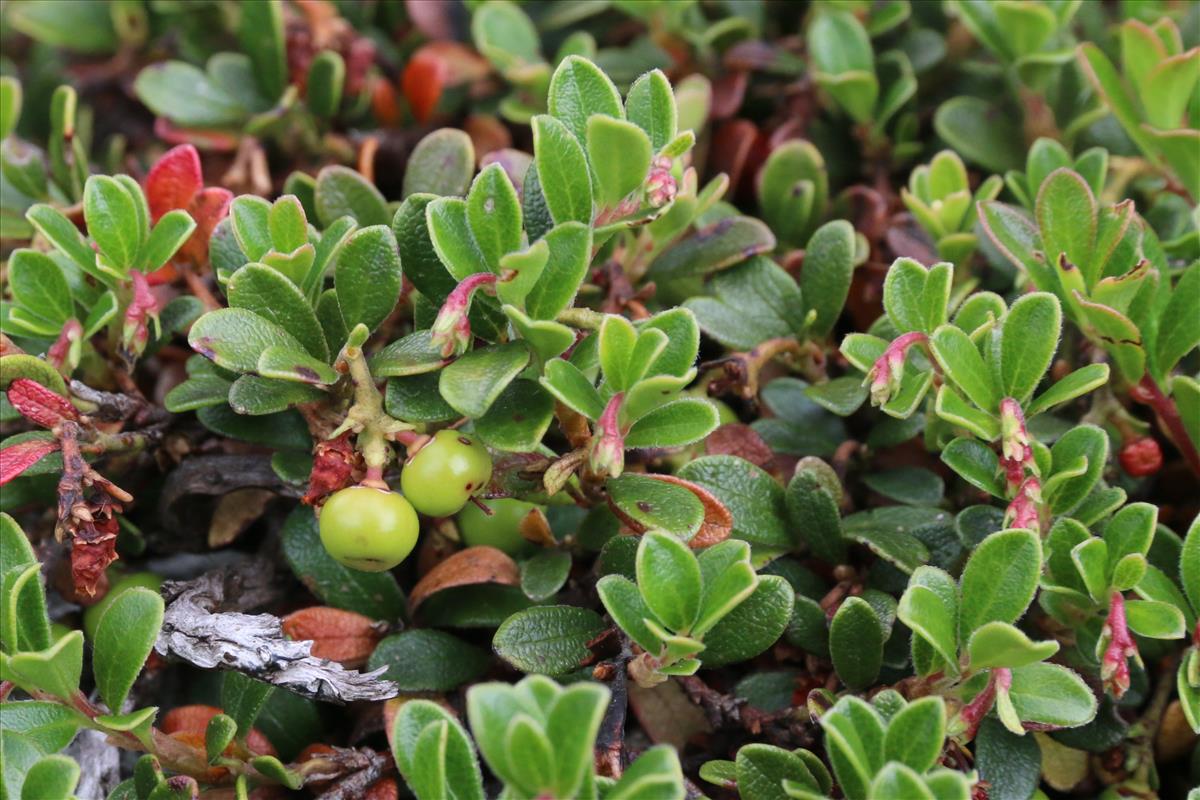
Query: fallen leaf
[
  {"x": 234, "y": 513},
  {"x": 193, "y": 720},
  {"x": 342, "y": 636},
  {"x": 464, "y": 568},
  {"x": 736, "y": 439}
]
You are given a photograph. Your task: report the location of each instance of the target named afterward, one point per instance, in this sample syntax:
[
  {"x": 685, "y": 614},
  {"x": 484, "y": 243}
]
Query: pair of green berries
[{"x": 373, "y": 530}]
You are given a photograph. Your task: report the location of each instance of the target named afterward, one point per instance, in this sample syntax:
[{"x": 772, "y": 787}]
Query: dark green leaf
[
  {"x": 424, "y": 660},
  {"x": 441, "y": 164},
  {"x": 367, "y": 276},
  {"x": 856, "y": 643},
  {"x": 550, "y": 640},
  {"x": 752, "y": 496},
  {"x": 474, "y": 382},
  {"x": 752, "y": 626}
]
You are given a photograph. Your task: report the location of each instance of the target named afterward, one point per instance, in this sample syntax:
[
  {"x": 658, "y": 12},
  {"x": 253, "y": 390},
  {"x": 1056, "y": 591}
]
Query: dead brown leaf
[
  {"x": 234, "y": 513},
  {"x": 342, "y": 636},
  {"x": 464, "y": 568},
  {"x": 737, "y": 439}
]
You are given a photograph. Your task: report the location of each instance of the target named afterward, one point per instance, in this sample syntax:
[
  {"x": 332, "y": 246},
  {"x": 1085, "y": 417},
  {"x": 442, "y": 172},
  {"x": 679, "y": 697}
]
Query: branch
[{"x": 255, "y": 645}]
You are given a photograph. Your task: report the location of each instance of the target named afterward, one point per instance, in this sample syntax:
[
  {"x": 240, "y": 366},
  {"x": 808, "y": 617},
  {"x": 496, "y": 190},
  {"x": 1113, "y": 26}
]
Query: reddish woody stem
[{"x": 1148, "y": 392}]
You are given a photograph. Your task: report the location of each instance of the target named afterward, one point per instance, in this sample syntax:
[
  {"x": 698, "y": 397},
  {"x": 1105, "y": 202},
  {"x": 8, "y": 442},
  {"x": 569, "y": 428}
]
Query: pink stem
[{"x": 977, "y": 709}]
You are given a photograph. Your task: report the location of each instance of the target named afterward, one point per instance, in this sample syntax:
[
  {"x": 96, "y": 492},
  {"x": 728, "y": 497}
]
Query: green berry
[
  {"x": 92, "y": 614},
  {"x": 501, "y": 530},
  {"x": 442, "y": 476},
  {"x": 368, "y": 529}
]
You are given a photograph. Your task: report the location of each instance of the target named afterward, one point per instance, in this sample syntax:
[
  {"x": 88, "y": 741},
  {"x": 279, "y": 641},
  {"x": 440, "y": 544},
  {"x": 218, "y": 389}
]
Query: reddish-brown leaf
[
  {"x": 173, "y": 180},
  {"x": 424, "y": 78},
  {"x": 383, "y": 789},
  {"x": 342, "y": 636},
  {"x": 185, "y": 722},
  {"x": 434, "y": 67},
  {"x": 466, "y": 567},
  {"x": 209, "y": 139},
  {"x": 728, "y": 91},
  {"x": 19, "y": 457},
  {"x": 383, "y": 102},
  {"x": 731, "y": 148},
  {"x": 39, "y": 404},
  {"x": 736, "y": 439},
  {"x": 488, "y": 134},
  {"x": 208, "y": 207}
]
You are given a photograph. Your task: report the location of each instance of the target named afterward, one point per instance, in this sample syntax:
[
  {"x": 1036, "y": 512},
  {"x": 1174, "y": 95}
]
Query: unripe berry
[{"x": 368, "y": 529}]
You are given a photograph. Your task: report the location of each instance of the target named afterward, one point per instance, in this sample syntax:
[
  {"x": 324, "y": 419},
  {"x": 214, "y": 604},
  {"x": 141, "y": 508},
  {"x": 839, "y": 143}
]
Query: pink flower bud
[
  {"x": 660, "y": 183},
  {"x": 64, "y": 354},
  {"x": 451, "y": 331},
  {"x": 142, "y": 308},
  {"x": 1119, "y": 647},
  {"x": 606, "y": 456},
  {"x": 1014, "y": 436},
  {"x": 1025, "y": 509},
  {"x": 888, "y": 371}
]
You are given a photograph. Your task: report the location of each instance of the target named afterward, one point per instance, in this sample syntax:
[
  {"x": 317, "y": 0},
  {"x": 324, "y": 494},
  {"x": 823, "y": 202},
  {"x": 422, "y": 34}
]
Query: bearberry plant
[{"x": 628, "y": 400}]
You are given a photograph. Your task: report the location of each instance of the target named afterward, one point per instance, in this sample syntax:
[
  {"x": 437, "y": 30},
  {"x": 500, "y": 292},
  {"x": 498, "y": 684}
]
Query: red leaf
[
  {"x": 342, "y": 636},
  {"x": 39, "y": 404},
  {"x": 208, "y": 207},
  {"x": 174, "y": 180},
  {"x": 193, "y": 720},
  {"x": 424, "y": 76},
  {"x": 19, "y": 457},
  {"x": 736, "y": 439}
]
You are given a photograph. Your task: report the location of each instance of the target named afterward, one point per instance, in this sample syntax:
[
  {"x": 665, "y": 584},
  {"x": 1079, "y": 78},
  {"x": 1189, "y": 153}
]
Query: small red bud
[{"x": 1141, "y": 457}]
